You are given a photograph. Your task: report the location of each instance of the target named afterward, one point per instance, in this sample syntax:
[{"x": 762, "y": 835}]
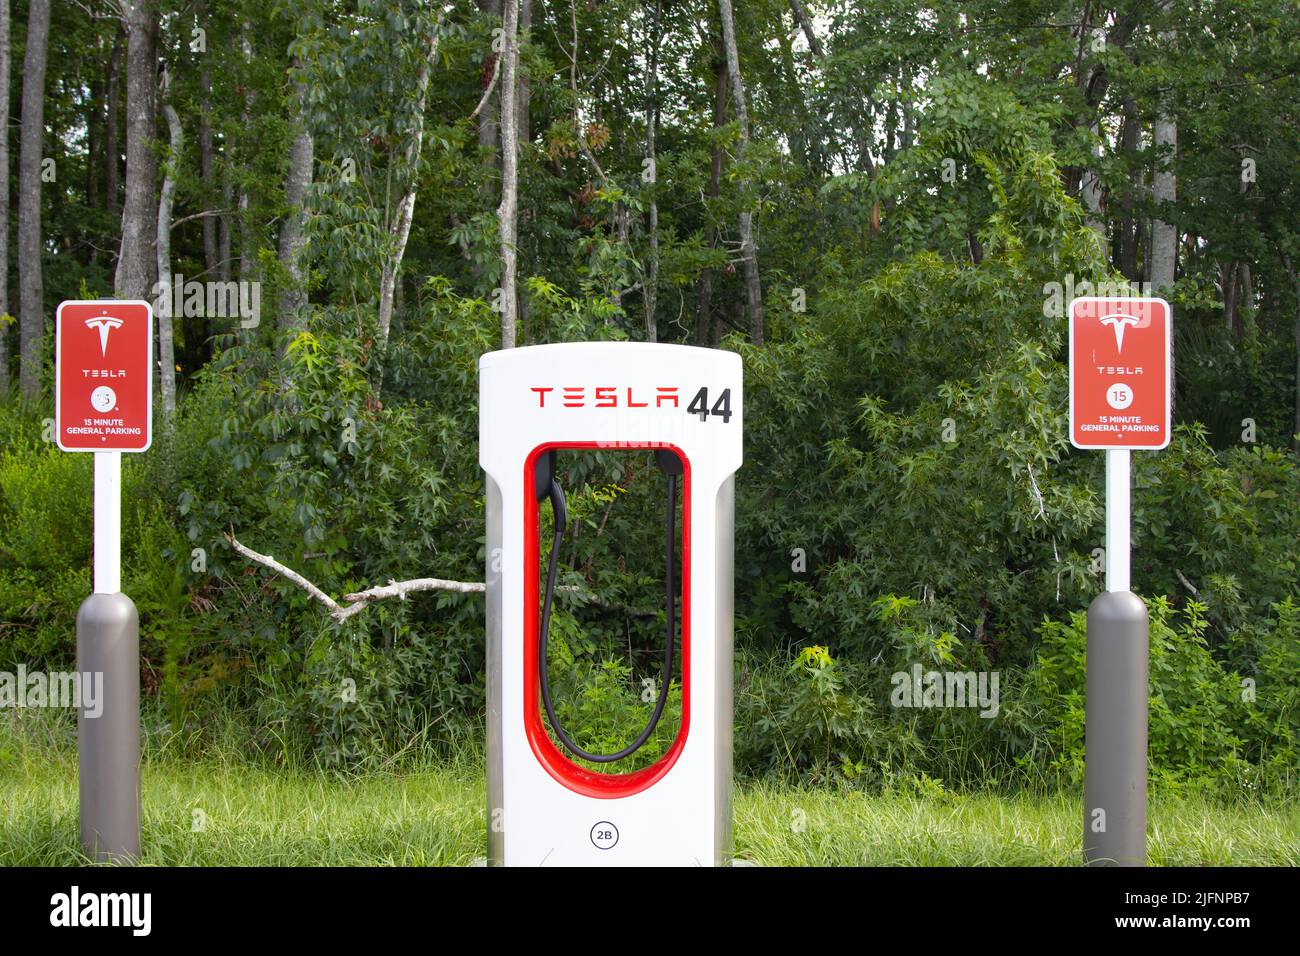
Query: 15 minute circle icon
[{"x": 103, "y": 399}]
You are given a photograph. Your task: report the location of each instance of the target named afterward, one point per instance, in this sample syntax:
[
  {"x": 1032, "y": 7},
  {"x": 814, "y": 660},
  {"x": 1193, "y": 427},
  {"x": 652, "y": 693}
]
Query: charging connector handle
[{"x": 559, "y": 510}]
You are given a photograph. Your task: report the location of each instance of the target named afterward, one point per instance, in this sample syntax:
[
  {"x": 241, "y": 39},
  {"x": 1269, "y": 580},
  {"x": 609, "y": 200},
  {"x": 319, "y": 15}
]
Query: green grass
[
  {"x": 780, "y": 826},
  {"x": 264, "y": 816}
]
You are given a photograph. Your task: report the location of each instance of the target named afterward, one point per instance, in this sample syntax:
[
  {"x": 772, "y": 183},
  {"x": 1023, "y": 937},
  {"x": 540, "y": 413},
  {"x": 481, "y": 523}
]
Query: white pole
[
  {"x": 1118, "y": 508},
  {"x": 108, "y": 522}
]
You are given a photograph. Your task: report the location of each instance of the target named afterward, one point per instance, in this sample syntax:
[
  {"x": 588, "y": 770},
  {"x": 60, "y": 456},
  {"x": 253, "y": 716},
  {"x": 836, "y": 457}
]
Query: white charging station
[{"x": 544, "y": 808}]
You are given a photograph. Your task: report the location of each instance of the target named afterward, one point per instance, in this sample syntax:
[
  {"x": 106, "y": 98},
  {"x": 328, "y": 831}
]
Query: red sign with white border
[
  {"x": 1121, "y": 372},
  {"x": 103, "y": 396}
]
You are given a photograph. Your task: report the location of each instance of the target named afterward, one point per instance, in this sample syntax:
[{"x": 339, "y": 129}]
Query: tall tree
[
  {"x": 488, "y": 129},
  {"x": 805, "y": 24},
  {"x": 31, "y": 304},
  {"x": 1090, "y": 188},
  {"x": 112, "y": 140},
  {"x": 4, "y": 197},
  {"x": 1164, "y": 236},
  {"x": 524, "y": 96},
  {"x": 247, "y": 231},
  {"x": 166, "y": 200},
  {"x": 704, "y": 323},
  {"x": 1127, "y": 229},
  {"x": 207, "y": 169},
  {"x": 748, "y": 247},
  {"x": 651, "y": 124},
  {"x": 293, "y": 234},
  {"x": 508, "y": 210},
  {"x": 400, "y": 226},
  {"x": 135, "y": 261}
]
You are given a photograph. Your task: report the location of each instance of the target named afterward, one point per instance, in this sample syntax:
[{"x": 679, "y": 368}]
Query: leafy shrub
[{"x": 1200, "y": 721}]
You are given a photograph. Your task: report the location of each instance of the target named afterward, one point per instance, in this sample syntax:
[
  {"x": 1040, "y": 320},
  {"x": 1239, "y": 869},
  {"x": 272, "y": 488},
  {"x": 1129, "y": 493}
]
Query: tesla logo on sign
[
  {"x": 103, "y": 397},
  {"x": 1121, "y": 373},
  {"x": 104, "y": 324}
]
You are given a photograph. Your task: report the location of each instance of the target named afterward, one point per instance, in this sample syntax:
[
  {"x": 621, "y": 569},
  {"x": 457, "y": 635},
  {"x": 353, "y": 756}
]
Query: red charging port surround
[{"x": 576, "y": 778}]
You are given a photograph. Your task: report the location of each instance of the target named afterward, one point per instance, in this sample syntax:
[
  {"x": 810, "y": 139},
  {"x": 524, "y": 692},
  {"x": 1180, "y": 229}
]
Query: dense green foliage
[{"x": 909, "y": 495}]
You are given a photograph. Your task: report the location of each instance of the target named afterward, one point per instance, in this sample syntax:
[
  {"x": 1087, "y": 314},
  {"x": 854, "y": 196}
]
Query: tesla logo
[
  {"x": 578, "y": 396},
  {"x": 104, "y": 323},
  {"x": 1118, "y": 321}
]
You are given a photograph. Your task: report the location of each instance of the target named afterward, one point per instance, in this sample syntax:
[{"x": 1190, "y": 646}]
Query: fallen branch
[
  {"x": 400, "y": 589},
  {"x": 358, "y": 601},
  {"x": 267, "y": 561}
]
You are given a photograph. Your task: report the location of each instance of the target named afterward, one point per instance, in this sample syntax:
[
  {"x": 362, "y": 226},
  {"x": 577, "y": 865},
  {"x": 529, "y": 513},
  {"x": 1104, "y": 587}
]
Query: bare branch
[
  {"x": 358, "y": 601},
  {"x": 492, "y": 85},
  {"x": 199, "y": 215},
  {"x": 400, "y": 589},
  {"x": 270, "y": 562}
]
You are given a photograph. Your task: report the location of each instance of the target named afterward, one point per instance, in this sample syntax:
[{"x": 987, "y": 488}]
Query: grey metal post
[
  {"x": 1115, "y": 763},
  {"x": 108, "y": 746}
]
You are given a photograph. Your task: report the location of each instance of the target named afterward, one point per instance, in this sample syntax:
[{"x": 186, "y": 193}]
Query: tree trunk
[
  {"x": 705, "y": 327},
  {"x": 247, "y": 249},
  {"x": 1090, "y": 191},
  {"x": 30, "y": 292},
  {"x": 166, "y": 199},
  {"x": 523, "y": 134},
  {"x": 211, "y": 259},
  {"x": 1246, "y": 296},
  {"x": 651, "y": 121},
  {"x": 224, "y": 225},
  {"x": 293, "y": 234},
  {"x": 94, "y": 141},
  {"x": 1164, "y": 237},
  {"x": 748, "y": 247},
  {"x": 805, "y": 24},
  {"x": 1126, "y": 232},
  {"x": 112, "y": 141},
  {"x": 488, "y": 128},
  {"x": 1228, "y": 286},
  {"x": 524, "y": 96},
  {"x": 4, "y": 198},
  {"x": 135, "y": 261},
  {"x": 507, "y": 212},
  {"x": 401, "y": 225}
]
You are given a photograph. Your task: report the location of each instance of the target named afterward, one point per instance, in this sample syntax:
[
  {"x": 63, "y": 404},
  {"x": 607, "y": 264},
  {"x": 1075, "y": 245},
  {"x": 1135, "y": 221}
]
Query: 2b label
[{"x": 721, "y": 408}]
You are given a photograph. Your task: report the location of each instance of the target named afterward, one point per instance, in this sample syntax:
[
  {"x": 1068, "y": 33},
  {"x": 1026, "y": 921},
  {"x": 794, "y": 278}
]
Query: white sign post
[
  {"x": 103, "y": 405},
  {"x": 1119, "y": 506},
  {"x": 1121, "y": 375},
  {"x": 108, "y": 522}
]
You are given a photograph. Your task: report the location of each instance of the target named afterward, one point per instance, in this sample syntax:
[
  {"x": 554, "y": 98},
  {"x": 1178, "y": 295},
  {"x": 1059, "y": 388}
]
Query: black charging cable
[{"x": 548, "y": 486}]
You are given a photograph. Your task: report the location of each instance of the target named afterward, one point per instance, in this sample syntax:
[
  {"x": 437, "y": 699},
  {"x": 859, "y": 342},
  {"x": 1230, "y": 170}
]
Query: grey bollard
[
  {"x": 108, "y": 746},
  {"x": 1115, "y": 763}
]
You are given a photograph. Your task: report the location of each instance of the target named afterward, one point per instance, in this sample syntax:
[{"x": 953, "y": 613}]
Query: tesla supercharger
[{"x": 685, "y": 405}]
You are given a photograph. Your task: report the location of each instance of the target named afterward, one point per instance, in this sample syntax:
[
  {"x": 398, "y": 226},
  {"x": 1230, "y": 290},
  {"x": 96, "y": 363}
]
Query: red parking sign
[
  {"x": 1121, "y": 372},
  {"x": 103, "y": 397}
]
